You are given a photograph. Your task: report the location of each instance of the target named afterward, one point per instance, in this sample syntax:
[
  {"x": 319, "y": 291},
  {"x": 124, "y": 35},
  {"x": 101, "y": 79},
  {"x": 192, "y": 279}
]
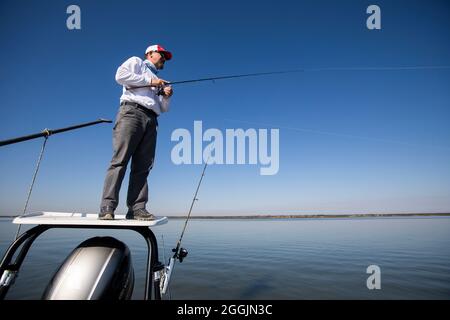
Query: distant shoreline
[
  {"x": 307, "y": 216},
  {"x": 315, "y": 216}
]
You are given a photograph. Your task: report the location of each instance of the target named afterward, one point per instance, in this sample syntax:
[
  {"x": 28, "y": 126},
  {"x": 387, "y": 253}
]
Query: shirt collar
[{"x": 151, "y": 66}]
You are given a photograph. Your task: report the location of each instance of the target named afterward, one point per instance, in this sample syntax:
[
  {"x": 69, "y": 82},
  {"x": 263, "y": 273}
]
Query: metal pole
[{"x": 49, "y": 132}]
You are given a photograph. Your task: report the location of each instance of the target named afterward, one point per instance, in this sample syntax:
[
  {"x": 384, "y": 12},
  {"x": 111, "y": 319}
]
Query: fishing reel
[
  {"x": 160, "y": 91},
  {"x": 165, "y": 272},
  {"x": 180, "y": 255}
]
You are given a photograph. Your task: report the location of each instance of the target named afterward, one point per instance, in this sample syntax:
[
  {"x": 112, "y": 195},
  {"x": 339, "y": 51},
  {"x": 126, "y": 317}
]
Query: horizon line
[{"x": 292, "y": 216}]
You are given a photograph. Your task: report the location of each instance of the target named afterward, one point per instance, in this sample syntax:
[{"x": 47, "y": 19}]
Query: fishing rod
[
  {"x": 48, "y": 132},
  {"x": 237, "y": 76},
  {"x": 224, "y": 77},
  {"x": 181, "y": 253},
  {"x": 45, "y": 133},
  {"x": 384, "y": 68}
]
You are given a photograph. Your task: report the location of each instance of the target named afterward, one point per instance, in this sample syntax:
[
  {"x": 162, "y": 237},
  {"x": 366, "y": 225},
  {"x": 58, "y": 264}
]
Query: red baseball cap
[{"x": 158, "y": 48}]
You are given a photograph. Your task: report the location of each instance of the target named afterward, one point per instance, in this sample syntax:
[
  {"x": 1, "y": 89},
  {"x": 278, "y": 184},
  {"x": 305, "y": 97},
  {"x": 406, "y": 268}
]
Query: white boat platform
[{"x": 87, "y": 219}]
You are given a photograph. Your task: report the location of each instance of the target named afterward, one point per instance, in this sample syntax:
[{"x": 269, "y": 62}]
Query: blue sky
[{"x": 350, "y": 141}]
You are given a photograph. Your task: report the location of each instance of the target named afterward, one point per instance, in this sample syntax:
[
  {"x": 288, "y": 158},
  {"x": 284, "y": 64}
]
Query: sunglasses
[{"x": 163, "y": 57}]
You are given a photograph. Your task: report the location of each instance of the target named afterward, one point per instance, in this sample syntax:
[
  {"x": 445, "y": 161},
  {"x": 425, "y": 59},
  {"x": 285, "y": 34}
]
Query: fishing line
[
  {"x": 387, "y": 68},
  {"x": 33, "y": 180},
  {"x": 384, "y": 68},
  {"x": 343, "y": 135}
]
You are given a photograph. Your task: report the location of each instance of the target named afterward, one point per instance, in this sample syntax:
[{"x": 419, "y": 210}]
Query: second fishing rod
[{"x": 180, "y": 253}]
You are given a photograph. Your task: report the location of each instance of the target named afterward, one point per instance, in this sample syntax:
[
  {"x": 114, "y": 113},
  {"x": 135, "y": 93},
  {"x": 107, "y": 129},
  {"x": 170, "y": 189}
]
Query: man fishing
[{"x": 144, "y": 98}]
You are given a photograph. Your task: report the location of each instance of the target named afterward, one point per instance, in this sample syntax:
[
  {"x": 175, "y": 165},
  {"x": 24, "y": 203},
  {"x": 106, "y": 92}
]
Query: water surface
[{"x": 272, "y": 258}]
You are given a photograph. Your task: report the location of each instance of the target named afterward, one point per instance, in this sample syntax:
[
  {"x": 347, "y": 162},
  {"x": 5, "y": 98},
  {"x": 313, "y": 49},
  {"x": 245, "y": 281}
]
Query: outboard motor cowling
[{"x": 99, "y": 268}]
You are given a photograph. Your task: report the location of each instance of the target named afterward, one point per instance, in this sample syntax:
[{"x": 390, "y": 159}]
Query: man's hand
[
  {"x": 168, "y": 91},
  {"x": 158, "y": 82}
]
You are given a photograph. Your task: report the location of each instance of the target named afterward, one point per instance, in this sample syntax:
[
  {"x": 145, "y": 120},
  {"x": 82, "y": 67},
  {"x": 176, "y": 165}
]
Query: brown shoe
[
  {"x": 140, "y": 214},
  {"x": 106, "y": 213}
]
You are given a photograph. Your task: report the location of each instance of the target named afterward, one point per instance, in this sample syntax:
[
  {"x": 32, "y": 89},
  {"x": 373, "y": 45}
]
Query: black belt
[{"x": 148, "y": 111}]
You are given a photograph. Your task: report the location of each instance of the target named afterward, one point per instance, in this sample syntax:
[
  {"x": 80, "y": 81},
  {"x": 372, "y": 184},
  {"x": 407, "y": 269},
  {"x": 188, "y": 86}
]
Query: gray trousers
[{"x": 134, "y": 137}]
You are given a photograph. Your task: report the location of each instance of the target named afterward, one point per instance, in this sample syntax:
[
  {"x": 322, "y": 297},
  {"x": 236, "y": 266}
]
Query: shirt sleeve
[
  {"x": 129, "y": 74},
  {"x": 164, "y": 103}
]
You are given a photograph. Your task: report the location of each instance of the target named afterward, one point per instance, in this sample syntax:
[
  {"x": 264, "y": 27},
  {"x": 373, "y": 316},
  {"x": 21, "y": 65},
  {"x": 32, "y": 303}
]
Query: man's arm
[
  {"x": 164, "y": 100},
  {"x": 129, "y": 74}
]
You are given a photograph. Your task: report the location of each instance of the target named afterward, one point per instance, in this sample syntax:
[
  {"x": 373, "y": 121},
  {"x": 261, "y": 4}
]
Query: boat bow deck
[{"x": 88, "y": 219}]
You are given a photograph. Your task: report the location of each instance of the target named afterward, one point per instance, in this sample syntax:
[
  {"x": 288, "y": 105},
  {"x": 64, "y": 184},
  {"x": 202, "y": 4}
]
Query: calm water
[{"x": 272, "y": 259}]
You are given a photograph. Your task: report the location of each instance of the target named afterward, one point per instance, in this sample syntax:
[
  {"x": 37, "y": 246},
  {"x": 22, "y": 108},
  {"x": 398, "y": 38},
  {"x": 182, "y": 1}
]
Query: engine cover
[{"x": 99, "y": 268}]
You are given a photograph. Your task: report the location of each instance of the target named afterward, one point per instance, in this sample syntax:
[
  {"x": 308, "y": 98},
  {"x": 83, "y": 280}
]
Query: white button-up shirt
[{"x": 134, "y": 72}]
